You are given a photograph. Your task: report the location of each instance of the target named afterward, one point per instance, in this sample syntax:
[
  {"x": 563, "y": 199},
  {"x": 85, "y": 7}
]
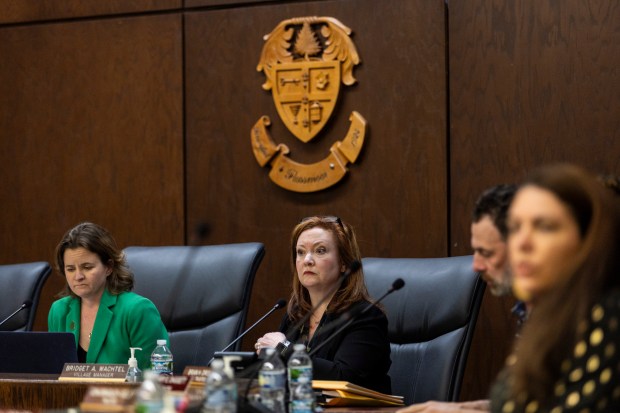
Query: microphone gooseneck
[
  {"x": 280, "y": 304},
  {"x": 25, "y": 304},
  {"x": 349, "y": 318}
]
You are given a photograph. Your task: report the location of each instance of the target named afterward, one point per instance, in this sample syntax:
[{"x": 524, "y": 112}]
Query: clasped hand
[{"x": 269, "y": 340}]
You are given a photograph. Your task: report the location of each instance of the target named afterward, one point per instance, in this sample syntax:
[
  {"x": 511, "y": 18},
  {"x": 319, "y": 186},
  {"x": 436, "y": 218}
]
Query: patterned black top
[{"x": 590, "y": 381}]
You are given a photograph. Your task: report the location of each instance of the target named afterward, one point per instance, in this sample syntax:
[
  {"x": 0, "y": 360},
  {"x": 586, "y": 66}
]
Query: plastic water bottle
[
  {"x": 161, "y": 359},
  {"x": 299, "y": 366},
  {"x": 220, "y": 390},
  {"x": 150, "y": 395},
  {"x": 272, "y": 382},
  {"x": 302, "y": 399}
]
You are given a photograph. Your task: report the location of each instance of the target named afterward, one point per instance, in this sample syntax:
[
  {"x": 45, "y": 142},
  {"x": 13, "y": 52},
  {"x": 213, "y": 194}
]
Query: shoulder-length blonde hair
[
  {"x": 551, "y": 333},
  {"x": 353, "y": 287},
  {"x": 97, "y": 240}
]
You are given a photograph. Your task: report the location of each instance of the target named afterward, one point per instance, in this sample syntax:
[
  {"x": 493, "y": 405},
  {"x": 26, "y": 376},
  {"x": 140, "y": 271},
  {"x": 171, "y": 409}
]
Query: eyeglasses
[{"x": 325, "y": 218}]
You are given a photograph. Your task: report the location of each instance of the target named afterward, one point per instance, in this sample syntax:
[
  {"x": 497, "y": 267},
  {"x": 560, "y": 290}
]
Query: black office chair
[
  {"x": 431, "y": 322},
  {"x": 202, "y": 294},
  {"x": 20, "y": 283}
]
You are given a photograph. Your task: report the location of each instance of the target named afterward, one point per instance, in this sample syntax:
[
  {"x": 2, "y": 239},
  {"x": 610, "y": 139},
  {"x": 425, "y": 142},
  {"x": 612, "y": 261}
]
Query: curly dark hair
[
  {"x": 495, "y": 202},
  {"x": 97, "y": 240}
]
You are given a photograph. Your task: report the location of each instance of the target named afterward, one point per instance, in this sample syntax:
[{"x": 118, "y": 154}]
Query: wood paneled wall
[
  {"x": 137, "y": 115},
  {"x": 91, "y": 128},
  {"x": 530, "y": 83}
]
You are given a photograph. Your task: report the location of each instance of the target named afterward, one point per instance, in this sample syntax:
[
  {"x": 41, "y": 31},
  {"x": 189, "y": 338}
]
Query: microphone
[
  {"x": 349, "y": 318},
  {"x": 26, "y": 304},
  {"x": 280, "y": 304},
  {"x": 355, "y": 265}
]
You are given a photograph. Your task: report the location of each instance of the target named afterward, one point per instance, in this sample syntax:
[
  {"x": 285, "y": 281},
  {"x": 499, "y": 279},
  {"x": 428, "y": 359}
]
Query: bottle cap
[
  {"x": 161, "y": 342},
  {"x": 299, "y": 346}
]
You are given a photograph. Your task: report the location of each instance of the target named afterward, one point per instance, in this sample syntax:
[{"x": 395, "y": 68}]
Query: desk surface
[
  {"x": 39, "y": 392},
  {"x": 44, "y": 392}
]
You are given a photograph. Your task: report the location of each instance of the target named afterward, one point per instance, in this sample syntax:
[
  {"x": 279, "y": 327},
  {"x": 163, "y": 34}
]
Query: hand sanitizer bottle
[{"x": 134, "y": 374}]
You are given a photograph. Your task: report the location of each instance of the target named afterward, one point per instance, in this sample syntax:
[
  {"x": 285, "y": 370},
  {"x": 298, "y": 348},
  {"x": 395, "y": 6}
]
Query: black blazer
[{"x": 359, "y": 354}]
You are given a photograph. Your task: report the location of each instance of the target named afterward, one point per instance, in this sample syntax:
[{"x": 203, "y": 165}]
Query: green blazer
[{"x": 123, "y": 321}]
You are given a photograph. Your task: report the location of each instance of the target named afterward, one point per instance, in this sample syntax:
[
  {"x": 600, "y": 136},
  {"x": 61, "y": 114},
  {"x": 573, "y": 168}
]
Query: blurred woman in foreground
[{"x": 564, "y": 248}]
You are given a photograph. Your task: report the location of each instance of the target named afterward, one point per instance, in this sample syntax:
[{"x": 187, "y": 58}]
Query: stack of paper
[{"x": 343, "y": 393}]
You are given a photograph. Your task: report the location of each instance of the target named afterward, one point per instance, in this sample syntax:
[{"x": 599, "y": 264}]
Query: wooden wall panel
[
  {"x": 395, "y": 195},
  {"x": 90, "y": 129},
  {"x": 36, "y": 10},
  {"x": 530, "y": 83}
]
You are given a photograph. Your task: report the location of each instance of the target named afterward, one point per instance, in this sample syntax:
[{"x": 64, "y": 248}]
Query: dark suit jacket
[
  {"x": 360, "y": 354},
  {"x": 123, "y": 321}
]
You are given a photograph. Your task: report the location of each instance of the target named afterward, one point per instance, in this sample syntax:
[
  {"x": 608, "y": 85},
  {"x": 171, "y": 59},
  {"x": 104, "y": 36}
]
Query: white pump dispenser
[
  {"x": 227, "y": 365},
  {"x": 134, "y": 374}
]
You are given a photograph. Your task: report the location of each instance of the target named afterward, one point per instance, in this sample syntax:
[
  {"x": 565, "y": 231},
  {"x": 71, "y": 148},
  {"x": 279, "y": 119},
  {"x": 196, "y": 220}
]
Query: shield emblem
[
  {"x": 305, "y": 94},
  {"x": 305, "y": 59}
]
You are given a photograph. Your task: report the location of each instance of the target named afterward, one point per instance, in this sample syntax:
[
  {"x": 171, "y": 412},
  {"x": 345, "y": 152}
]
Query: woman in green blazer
[{"x": 98, "y": 307}]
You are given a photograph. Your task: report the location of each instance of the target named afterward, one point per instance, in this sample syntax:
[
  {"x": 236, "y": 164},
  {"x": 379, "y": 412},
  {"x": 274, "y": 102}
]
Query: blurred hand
[
  {"x": 269, "y": 340},
  {"x": 439, "y": 407}
]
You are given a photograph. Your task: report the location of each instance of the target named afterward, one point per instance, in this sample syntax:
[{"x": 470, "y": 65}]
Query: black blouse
[{"x": 360, "y": 354}]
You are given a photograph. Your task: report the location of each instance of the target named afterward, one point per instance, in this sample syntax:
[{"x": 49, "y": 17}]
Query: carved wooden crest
[{"x": 305, "y": 60}]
